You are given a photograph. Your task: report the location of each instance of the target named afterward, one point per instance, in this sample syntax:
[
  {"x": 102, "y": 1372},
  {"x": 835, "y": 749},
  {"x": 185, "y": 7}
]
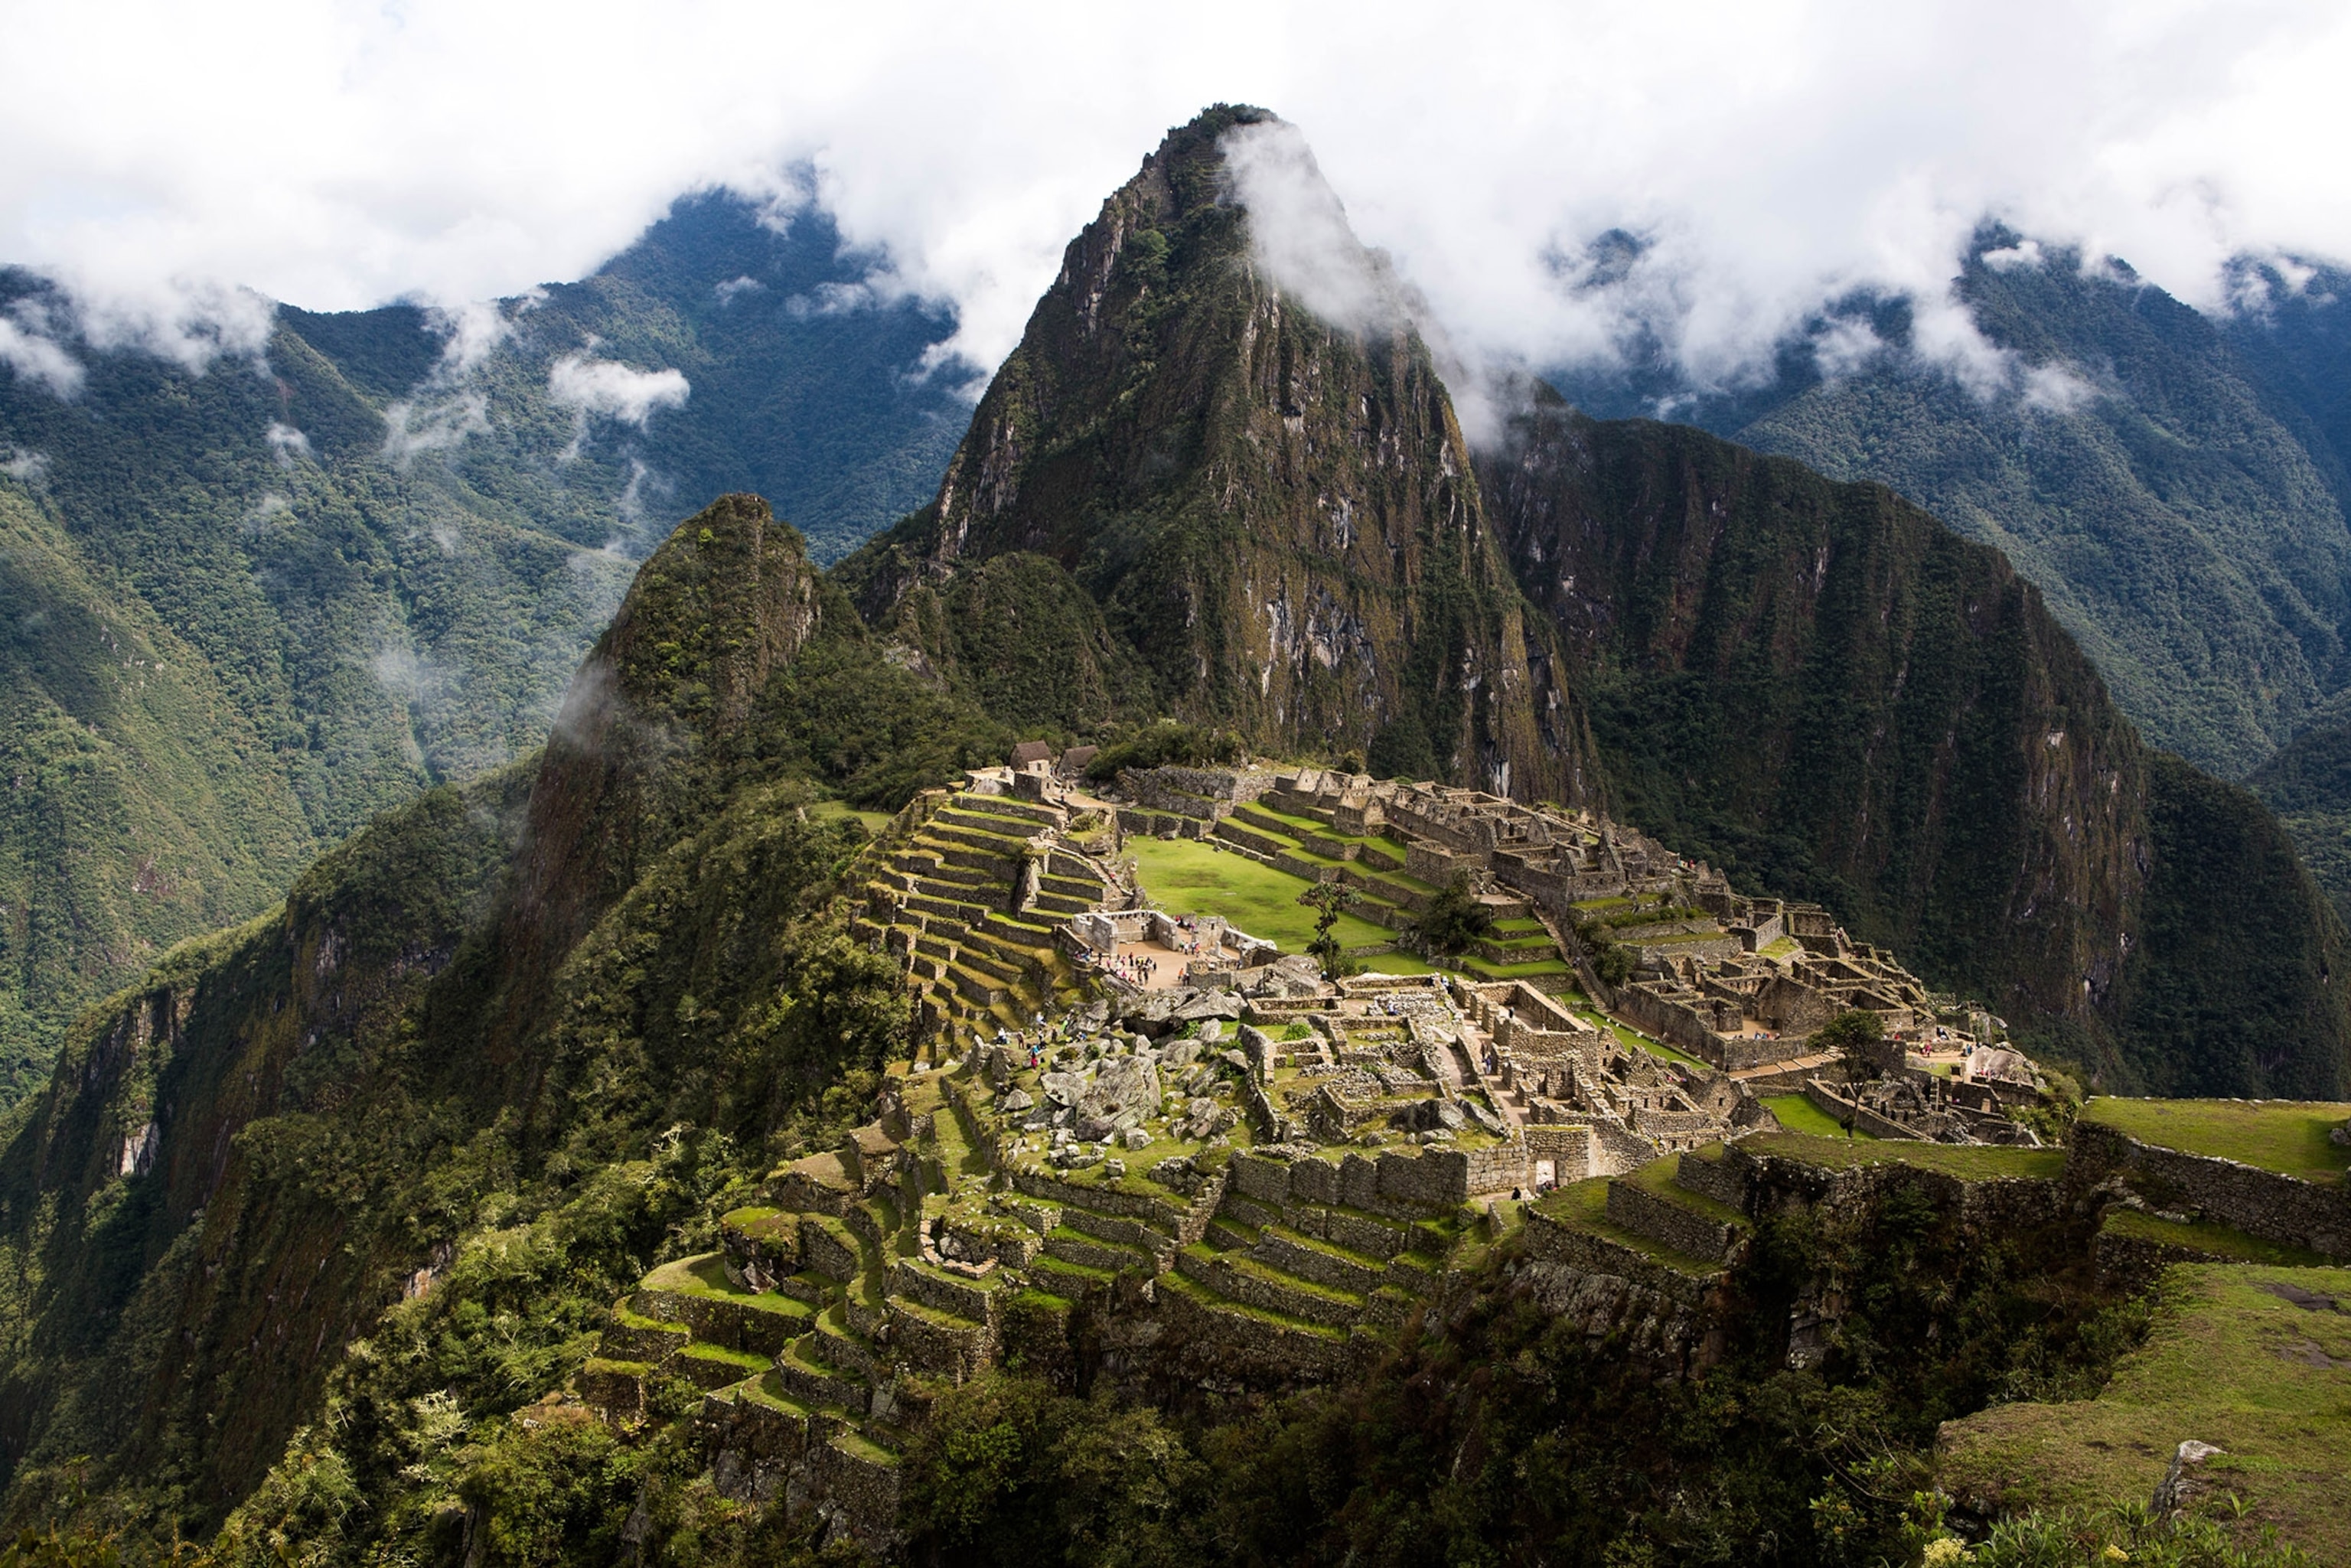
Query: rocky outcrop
[
  {"x": 1819, "y": 689},
  {"x": 1276, "y": 512}
]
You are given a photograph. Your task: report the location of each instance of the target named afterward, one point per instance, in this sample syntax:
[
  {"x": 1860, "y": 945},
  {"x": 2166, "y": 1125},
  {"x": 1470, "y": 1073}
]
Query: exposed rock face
[
  {"x": 1824, "y": 691},
  {"x": 1277, "y": 513}
]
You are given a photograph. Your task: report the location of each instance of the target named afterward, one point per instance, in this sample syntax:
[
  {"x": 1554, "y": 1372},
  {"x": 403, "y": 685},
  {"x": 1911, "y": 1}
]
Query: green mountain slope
[
  {"x": 542, "y": 977},
  {"x": 1817, "y": 686},
  {"x": 140, "y": 804},
  {"x": 305, "y": 1220},
  {"x": 378, "y": 558}
]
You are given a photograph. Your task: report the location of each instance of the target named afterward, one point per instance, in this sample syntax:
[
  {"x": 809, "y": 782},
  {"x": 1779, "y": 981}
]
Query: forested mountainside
[
  {"x": 1820, "y": 689},
  {"x": 308, "y": 1221},
  {"x": 1273, "y": 518},
  {"x": 247, "y": 607},
  {"x": 2171, "y": 482}
]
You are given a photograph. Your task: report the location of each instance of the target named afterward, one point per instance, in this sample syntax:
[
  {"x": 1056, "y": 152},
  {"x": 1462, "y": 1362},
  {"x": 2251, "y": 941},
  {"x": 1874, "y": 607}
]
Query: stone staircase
[{"x": 966, "y": 889}]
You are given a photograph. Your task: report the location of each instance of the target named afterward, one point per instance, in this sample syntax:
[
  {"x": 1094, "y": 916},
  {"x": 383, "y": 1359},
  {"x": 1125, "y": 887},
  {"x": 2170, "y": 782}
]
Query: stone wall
[
  {"x": 1617, "y": 1151},
  {"x": 1685, "y": 1230},
  {"x": 2267, "y": 1204},
  {"x": 1721, "y": 1178},
  {"x": 1836, "y": 1107},
  {"x": 1569, "y": 1148},
  {"x": 1548, "y": 1241}
]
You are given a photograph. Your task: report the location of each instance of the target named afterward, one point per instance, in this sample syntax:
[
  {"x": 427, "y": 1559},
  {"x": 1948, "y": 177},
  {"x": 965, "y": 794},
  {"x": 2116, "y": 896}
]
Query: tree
[
  {"x": 1454, "y": 921},
  {"x": 1855, "y": 1037},
  {"x": 1327, "y": 899}
]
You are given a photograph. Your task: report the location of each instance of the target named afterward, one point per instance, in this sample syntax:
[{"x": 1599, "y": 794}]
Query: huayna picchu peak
[
  {"x": 1278, "y": 515},
  {"x": 1249, "y": 983}
]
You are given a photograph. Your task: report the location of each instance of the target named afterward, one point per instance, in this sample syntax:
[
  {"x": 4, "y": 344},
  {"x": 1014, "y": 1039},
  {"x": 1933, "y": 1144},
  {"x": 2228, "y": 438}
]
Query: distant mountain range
[
  {"x": 514, "y": 1039},
  {"x": 245, "y": 607},
  {"x": 2174, "y": 483}
]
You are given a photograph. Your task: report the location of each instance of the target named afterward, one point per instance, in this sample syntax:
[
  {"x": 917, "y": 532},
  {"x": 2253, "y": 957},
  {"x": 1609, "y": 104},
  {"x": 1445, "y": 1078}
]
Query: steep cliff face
[
  {"x": 1822, "y": 689},
  {"x": 187, "y": 1236},
  {"x": 727, "y": 600},
  {"x": 1276, "y": 511},
  {"x": 237, "y": 1166}
]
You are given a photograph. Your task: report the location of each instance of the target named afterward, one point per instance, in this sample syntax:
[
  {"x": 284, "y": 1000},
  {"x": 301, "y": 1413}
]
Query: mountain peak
[{"x": 1222, "y": 425}]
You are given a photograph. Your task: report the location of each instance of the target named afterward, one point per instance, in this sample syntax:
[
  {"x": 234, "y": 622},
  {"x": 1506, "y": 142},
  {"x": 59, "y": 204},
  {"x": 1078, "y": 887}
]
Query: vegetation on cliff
[
  {"x": 1274, "y": 514},
  {"x": 306, "y": 1223},
  {"x": 1816, "y": 687},
  {"x": 247, "y": 607}
]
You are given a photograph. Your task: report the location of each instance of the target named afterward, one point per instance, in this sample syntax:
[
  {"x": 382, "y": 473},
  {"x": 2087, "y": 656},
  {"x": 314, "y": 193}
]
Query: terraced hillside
[
  {"x": 936, "y": 1242},
  {"x": 1387, "y": 896},
  {"x": 966, "y": 888}
]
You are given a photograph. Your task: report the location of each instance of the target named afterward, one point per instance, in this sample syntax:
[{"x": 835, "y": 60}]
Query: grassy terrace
[
  {"x": 1967, "y": 1163},
  {"x": 830, "y": 811},
  {"x": 1584, "y": 1204},
  {"x": 1187, "y": 877},
  {"x": 2285, "y": 1135},
  {"x": 706, "y": 1276},
  {"x": 2254, "y": 1359},
  {"x": 1799, "y": 1114},
  {"x": 1582, "y": 1007},
  {"x": 1657, "y": 1178},
  {"x": 2220, "y": 1240}
]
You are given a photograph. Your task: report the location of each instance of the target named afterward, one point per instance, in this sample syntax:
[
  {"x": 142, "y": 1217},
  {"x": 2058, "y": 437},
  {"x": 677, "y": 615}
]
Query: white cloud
[
  {"x": 746, "y": 284},
  {"x": 2024, "y": 253},
  {"x": 287, "y": 443},
  {"x": 38, "y": 357},
  {"x": 1771, "y": 156},
  {"x": 834, "y": 299},
  {"x": 411, "y": 427},
  {"x": 614, "y": 390},
  {"x": 1298, "y": 231},
  {"x": 24, "y": 465}
]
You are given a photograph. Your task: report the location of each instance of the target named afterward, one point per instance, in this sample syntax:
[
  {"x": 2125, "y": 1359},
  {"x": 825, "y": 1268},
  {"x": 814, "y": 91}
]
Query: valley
[{"x": 1247, "y": 981}]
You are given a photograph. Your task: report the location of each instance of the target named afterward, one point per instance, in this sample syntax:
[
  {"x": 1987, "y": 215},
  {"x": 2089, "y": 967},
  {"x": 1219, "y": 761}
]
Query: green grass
[
  {"x": 1633, "y": 1038},
  {"x": 1584, "y": 1204},
  {"x": 1184, "y": 1285},
  {"x": 1658, "y": 1179},
  {"x": 830, "y": 811},
  {"x": 2220, "y": 1240},
  {"x": 702, "y": 1349},
  {"x": 2229, "y": 1362},
  {"x": 2285, "y": 1135},
  {"x": 706, "y": 1276},
  {"x": 1799, "y": 1114},
  {"x": 1190, "y": 878},
  {"x": 1967, "y": 1163}
]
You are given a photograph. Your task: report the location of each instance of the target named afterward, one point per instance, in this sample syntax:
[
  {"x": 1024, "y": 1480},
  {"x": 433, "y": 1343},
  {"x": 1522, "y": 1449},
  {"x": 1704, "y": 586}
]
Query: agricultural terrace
[
  {"x": 2289, "y": 1136},
  {"x": 1187, "y": 876}
]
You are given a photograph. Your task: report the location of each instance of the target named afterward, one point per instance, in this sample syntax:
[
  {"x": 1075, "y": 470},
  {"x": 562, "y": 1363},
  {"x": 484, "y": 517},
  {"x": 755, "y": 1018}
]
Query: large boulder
[{"x": 1124, "y": 1090}]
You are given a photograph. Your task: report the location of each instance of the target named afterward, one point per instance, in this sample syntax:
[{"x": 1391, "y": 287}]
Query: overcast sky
[{"x": 339, "y": 155}]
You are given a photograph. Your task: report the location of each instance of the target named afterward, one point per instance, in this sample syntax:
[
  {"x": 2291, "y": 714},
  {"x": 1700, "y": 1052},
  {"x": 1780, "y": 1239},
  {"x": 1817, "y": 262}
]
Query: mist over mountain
[
  {"x": 2158, "y": 473},
  {"x": 252, "y": 601},
  {"x": 313, "y": 1226}
]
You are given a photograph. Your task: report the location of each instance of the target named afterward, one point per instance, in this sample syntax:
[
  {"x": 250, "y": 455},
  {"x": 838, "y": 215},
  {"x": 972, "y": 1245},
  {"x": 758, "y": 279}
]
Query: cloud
[
  {"x": 614, "y": 390},
  {"x": 287, "y": 443},
  {"x": 2023, "y": 254},
  {"x": 270, "y": 507},
  {"x": 37, "y": 357},
  {"x": 24, "y": 465},
  {"x": 1772, "y": 157},
  {"x": 411, "y": 427},
  {"x": 1298, "y": 231},
  {"x": 833, "y": 299},
  {"x": 746, "y": 284}
]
